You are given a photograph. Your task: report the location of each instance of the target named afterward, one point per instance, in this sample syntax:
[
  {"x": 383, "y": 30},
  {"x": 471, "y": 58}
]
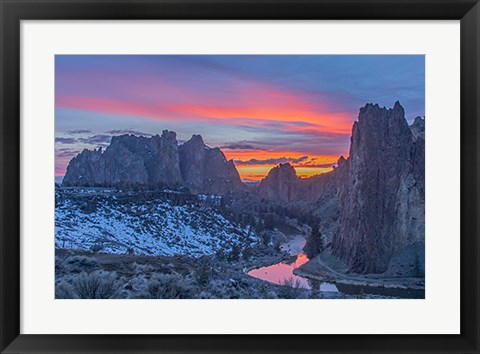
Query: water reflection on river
[{"x": 280, "y": 272}]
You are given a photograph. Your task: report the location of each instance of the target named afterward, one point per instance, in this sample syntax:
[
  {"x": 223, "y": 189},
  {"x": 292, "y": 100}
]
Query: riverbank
[{"x": 327, "y": 268}]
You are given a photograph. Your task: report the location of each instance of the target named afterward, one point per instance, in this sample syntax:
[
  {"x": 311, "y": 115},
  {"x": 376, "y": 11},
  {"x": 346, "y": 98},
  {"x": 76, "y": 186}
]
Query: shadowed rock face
[
  {"x": 85, "y": 169},
  {"x": 206, "y": 170},
  {"x": 159, "y": 161},
  {"x": 372, "y": 205},
  {"x": 154, "y": 161},
  {"x": 281, "y": 184},
  {"x": 382, "y": 199},
  {"x": 418, "y": 128},
  {"x": 128, "y": 160}
]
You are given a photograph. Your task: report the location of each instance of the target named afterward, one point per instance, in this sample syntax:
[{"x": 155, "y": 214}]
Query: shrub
[
  {"x": 203, "y": 273},
  {"x": 290, "y": 289},
  {"x": 96, "y": 248},
  {"x": 247, "y": 253},
  {"x": 77, "y": 264},
  {"x": 89, "y": 207},
  {"x": 64, "y": 291},
  {"x": 96, "y": 285},
  {"x": 315, "y": 291},
  {"x": 265, "y": 239},
  {"x": 234, "y": 253},
  {"x": 167, "y": 286}
]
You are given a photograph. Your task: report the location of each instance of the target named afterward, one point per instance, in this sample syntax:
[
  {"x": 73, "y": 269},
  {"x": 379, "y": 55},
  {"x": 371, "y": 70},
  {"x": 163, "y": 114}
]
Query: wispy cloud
[
  {"x": 66, "y": 152},
  {"x": 80, "y": 131},
  {"x": 272, "y": 161},
  {"x": 316, "y": 165},
  {"x": 65, "y": 140},
  {"x": 127, "y": 131},
  {"x": 240, "y": 146},
  {"x": 96, "y": 139}
]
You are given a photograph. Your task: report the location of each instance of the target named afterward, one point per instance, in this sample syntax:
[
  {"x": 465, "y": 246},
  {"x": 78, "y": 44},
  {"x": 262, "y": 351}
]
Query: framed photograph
[{"x": 239, "y": 176}]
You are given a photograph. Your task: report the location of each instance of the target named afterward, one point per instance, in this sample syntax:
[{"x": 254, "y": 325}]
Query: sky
[{"x": 261, "y": 110}]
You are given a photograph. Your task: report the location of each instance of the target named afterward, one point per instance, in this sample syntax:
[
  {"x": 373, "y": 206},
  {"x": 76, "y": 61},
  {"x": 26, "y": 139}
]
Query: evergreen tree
[
  {"x": 234, "y": 254},
  {"x": 247, "y": 253},
  {"x": 314, "y": 244},
  {"x": 269, "y": 222},
  {"x": 265, "y": 238}
]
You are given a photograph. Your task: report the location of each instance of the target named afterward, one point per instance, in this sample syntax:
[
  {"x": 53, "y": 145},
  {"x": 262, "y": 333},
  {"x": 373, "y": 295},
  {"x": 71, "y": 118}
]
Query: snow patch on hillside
[{"x": 103, "y": 221}]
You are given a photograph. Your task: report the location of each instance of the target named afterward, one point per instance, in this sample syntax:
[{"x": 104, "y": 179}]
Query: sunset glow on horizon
[{"x": 260, "y": 110}]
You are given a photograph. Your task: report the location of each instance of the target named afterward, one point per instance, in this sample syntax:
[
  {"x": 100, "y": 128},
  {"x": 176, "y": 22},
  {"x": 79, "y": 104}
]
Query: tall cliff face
[
  {"x": 382, "y": 198},
  {"x": 206, "y": 169},
  {"x": 141, "y": 160},
  {"x": 371, "y": 206},
  {"x": 132, "y": 160}
]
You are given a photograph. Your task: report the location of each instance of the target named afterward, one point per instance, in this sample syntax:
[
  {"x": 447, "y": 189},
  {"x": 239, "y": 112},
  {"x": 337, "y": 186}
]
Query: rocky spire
[
  {"x": 381, "y": 201},
  {"x": 206, "y": 169}
]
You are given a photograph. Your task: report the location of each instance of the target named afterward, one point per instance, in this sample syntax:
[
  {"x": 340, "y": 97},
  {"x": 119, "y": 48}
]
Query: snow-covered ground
[{"x": 111, "y": 222}]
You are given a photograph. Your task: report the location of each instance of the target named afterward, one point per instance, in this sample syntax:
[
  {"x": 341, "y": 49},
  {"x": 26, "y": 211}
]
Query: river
[{"x": 278, "y": 273}]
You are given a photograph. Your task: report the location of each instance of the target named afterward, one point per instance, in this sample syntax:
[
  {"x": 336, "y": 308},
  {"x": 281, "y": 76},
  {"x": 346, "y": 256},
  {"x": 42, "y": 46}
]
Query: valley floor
[{"x": 81, "y": 274}]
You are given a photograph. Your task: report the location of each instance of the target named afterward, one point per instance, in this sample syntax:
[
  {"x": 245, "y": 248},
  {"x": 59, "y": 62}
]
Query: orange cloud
[{"x": 256, "y": 101}]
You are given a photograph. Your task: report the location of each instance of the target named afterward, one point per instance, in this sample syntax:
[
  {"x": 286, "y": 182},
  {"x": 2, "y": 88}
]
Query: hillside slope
[{"x": 145, "y": 223}]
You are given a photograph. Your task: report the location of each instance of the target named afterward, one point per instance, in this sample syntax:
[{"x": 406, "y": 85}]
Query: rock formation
[
  {"x": 206, "y": 170},
  {"x": 371, "y": 207},
  {"x": 85, "y": 169},
  {"x": 382, "y": 199},
  {"x": 156, "y": 161},
  {"x": 128, "y": 160},
  {"x": 281, "y": 184},
  {"x": 418, "y": 128}
]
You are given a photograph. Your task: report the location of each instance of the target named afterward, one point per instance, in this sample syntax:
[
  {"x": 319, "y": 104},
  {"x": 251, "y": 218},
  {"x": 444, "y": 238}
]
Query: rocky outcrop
[
  {"x": 141, "y": 160},
  {"x": 281, "y": 184},
  {"x": 371, "y": 206},
  {"x": 86, "y": 169},
  {"x": 382, "y": 199},
  {"x": 156, "y": 161},
  {"x": 128, "y": 160},
  {"x": 206, "y": 170},
  {"x": 418, "y": 128}
]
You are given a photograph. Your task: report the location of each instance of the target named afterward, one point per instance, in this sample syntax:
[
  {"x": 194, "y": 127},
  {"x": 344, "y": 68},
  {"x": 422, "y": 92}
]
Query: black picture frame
[{"x": 14, "y": 11}]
